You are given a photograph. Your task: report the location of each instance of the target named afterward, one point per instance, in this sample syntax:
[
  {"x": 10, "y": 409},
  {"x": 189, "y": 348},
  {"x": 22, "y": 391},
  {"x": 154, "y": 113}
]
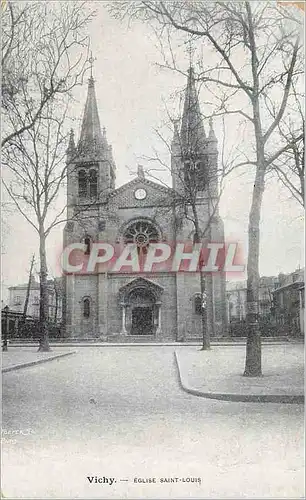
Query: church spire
[
  {"x": 71, "y": 144},
  {"x": 176, "y": 136},
  {"x": 91, "y": 139},
  {"x": 71, "y": 149},
  {"x": 192, "y": 130},
  {"x": 212, "y": 136}
]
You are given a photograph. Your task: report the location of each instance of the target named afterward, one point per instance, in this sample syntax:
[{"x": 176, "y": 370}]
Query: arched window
[
  {"x": 93, "y": 183},
  {"x": 86, "y": 308},
  {"x": 87, "y": 242},
  {"x": 198, "y": 305},
  {"x": 82, "y": 178}
]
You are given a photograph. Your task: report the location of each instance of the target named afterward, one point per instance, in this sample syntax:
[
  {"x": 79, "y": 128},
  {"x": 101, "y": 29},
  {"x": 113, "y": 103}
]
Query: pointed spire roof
[
  {"x": 71, "y": 143},
  {"x": 192, "y": 130},
  {"x": 212, "y": 136},
  {"x": 91, "y": 139},
  {"x": 176, "y": 149},
  {"x": 176, "y": 134}
]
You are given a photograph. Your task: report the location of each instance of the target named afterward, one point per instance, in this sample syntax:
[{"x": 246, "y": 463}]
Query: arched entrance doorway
[
  {"x": 141, "y": 307},
  {"x": 141, "y": 304}
]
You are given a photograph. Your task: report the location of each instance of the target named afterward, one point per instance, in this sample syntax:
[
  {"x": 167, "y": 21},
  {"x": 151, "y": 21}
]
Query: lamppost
[{"x": 5, "y": 310}]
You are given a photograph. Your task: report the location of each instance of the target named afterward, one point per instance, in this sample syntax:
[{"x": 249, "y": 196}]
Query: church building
[{"x": 126, "y": 306}]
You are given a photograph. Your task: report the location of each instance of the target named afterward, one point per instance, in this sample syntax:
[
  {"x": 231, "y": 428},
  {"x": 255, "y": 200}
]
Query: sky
[{"x": 132, "y": 94}]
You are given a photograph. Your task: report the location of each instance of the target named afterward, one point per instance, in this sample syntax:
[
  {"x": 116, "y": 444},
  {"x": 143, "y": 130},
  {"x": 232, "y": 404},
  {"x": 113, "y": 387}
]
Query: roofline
[
  {"x": 294, "y": 284},
  {"x": 166, "y": 189},
  {"x": 34, "y": 286},
  {"x": 142, "y": 279}
]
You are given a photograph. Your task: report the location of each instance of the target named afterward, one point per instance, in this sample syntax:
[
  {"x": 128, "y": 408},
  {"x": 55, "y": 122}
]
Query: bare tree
[
  {"x": 44, "y": 55},
  {"x": 35, "y": 176},
  {"x": 255, "y": 54},
  {"x": 37, "y": 164}
]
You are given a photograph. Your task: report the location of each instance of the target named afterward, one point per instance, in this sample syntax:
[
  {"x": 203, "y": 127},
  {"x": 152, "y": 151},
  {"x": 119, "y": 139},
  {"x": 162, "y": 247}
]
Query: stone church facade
[{"x": 124, "y": 306}]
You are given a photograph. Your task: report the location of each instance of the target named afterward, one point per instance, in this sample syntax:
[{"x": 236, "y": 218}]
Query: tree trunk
[
  {"x": 253, "y": 350},
  {"x": 43, "y": 309},
  {"x": 205, "y": 330},
  {"x": 210, "y": 319}
]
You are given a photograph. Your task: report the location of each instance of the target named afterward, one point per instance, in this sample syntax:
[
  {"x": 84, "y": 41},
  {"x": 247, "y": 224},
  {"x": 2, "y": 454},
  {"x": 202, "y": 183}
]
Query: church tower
[
  {"x": 194, "y": 166},
  {"x": 90, "y": 164},
  {"x": 193, "y": 155},
  {"x": 90, "y": 183}
]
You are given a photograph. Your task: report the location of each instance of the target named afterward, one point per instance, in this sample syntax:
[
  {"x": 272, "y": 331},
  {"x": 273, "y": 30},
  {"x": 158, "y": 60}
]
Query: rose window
[{"x": 141, "y": 233}]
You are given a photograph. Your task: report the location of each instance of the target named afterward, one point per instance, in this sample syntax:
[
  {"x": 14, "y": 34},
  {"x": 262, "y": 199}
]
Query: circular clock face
[{"x": 140, "y": 194}]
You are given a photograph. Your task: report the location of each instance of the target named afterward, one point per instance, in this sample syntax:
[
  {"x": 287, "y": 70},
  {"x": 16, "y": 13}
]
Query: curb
[
  {"x": 241, "y": 398},
  {"x": 36, "y": 362},
  {"x": 154, "y": 344}
]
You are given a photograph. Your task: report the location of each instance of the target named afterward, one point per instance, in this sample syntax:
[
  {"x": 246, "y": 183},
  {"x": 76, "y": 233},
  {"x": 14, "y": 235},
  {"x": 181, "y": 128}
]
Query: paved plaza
[{"x": 99, "y": 423}]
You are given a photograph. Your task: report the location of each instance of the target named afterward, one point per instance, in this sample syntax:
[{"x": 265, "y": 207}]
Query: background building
[
  {"x": 289, "y": 303},
  {"x": 18, "y": 294},
  {"x": 281, "y": 304},
  {"x": 236, "y": 297}
]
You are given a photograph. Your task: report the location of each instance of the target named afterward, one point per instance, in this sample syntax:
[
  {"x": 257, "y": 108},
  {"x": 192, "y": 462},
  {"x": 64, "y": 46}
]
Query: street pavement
[{"x": 116, "y": 415}]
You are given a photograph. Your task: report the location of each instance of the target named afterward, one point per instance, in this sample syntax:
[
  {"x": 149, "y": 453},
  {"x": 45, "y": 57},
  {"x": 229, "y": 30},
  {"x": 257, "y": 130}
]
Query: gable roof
[
  {"x": 140, "y": 282},
  {"x": 146, "y": 182}
]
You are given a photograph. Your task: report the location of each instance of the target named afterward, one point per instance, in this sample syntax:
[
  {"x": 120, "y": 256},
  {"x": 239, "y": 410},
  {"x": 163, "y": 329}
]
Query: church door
[{"x": 142, "y": 321}]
